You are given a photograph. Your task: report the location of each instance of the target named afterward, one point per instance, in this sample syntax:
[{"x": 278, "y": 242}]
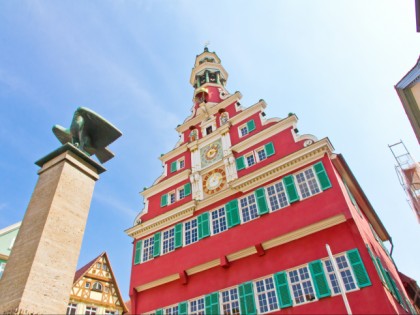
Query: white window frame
[
  {"x": 257, "y": 157},
  {"x": 147, "y": 250},
  {"x": 91, "y": 310},
  {"x": 231, "y": 302},
  {"x": 276, "y": 196},
  {"x": 171, "y": 310},
  {"x": 218, "y": 219},
  {"x": 307, "y": 184},
  {"x": 250, "y": 211},
  {"x": 193, "y": 230},
  {"x": 179, "y": 194},
  {"x": 71, "y": 307},
  {"x": 170, "y": 194},
  {"x": 309, "y": 279},
  {"x": 97, "y": 286},
  {"x": 170, "y": 240},
  {"x": 182, "y": 160},
  {"x": 245, "y": 127},
  {"x": 246, "y": 159},
  {"x": 348, "y": 269},
  {"x": 268, "y": 293},
  {"x": 200, "y": 311}
]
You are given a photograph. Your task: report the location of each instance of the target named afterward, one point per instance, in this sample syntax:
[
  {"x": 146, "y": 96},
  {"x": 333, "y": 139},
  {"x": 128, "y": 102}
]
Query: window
[
  {"x": 261, "y": 155},
  {"x": 218, "y": 219},
  {"x": 243, "y": 130},
  {"x": 197, "y": 307},
  {"x": 181, "y": 163},
  {"x": 2, "y": 266},
  {"x": 307, "y": 183},
  {"x": 246, "y": 128},
  {"x": 172, "y": 197},
  {"x": 302, "y": 289},
  {"x": 250, "y": 159},
  {"x": 248, "y": 208},
  {"x": 108, "y": 312},
  {"x": 71, "y": 309},
  {"x": 105, "y": 267},
  {"x": 209, "y": 130},
  {"x": 345, "y": 273},
  {"x": 90, "y": 310},
  {"x": 98, "y": 265},
  {"x": 171, "y": 310},
  {"x": 277, "y": 196},
  {"x": 87, "y": 285},
  {"x": 191, "y": 232},
  {"x": 266, "y": 295},
  {"x": 168, "y": 241},
  {"x": 148, "y": 248},
  {"x": 230, "y": 302},
  {"x": 181, "y": 193},
  {"x": 97, "y": 286}
]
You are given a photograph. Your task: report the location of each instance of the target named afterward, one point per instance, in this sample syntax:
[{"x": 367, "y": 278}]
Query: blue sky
[{"x": 333, "y": 63}]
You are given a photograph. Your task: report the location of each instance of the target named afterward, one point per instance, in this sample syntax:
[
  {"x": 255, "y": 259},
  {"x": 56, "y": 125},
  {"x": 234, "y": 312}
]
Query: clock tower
[{"x": 239, "y": 219}]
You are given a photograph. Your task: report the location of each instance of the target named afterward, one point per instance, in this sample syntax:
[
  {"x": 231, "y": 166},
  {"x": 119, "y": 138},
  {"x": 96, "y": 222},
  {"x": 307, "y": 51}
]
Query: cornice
[
  {"x": 257, "y": 107},
  {"x": 265, "y": 134},
  {"x": 162, "y": 221},
  {"x": 288, "y": 163},
  {"x": 166, "y": 183},
  {"x": 245, "y": 252},
  {"x": 171, "y": 154},
  {"x": 197, "y": 119}
]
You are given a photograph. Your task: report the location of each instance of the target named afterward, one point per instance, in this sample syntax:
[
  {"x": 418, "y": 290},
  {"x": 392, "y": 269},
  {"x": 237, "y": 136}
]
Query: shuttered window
[
  {"x": 183, "y": 308},
  {"x": 319, "y": 279},
  {"x": 137, "y": 252},
  {"x": 358, "y": 267},
  {"x": 289, "y": 184},
  {"x": 212, "y": 303},
  {"x": 191, "y": 231},
  {"x": 163, "y": 200},
  {"x": 246, "y": 299},
  {"x": 240, "y": 163},
  {"x": 323, "y": 179},
  {"x": 282, "y": 287},
  {"x": 148, "y": 247},
  {"x": 156, "y": 246},
  {"x": 173, "y": 166},
  {"x": 250, "y": 125},
  {"x": 178, "y": 235},
  {"x": 203, "y": 225},
  {"x": 261, "y": 201},
  {"x": 266, "y": 295},
  {"x": 233, "y": 213}
]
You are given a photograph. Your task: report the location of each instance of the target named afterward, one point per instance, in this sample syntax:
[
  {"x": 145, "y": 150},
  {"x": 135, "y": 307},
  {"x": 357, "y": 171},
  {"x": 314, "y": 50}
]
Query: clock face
[
  {"x": 211, "y": 153},
  {"x": 214, "y": 181}
]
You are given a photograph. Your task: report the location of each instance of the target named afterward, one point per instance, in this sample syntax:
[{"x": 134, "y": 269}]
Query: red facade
[{"x": 240, "y": 218}]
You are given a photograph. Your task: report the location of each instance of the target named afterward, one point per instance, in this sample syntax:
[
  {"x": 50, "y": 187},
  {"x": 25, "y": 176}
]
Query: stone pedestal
[{"x": 39, "y": 274}]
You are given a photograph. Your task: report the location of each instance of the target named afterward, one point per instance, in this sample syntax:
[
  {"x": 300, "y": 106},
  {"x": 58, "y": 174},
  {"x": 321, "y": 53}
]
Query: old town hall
[{"x": 241, "y": 219}]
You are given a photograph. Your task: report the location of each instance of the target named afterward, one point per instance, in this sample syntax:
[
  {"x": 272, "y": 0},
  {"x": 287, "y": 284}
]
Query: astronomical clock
[
  {"x": 214, "y": 181},
  {"x": 211, "y": 153}
]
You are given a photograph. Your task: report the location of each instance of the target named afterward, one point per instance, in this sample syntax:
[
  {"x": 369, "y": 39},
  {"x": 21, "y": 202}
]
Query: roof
[
  {"x": 82, "y": 271},
  {"x": 355, "y": 188}
]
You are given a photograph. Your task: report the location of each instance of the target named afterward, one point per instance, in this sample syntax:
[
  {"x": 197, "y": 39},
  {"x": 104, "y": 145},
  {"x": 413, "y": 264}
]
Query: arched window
[{"x": 97, "y": 286}]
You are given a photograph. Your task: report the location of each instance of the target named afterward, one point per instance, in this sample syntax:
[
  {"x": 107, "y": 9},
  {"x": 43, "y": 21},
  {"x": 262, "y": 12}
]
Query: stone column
[{"x": 39, "y": 274}]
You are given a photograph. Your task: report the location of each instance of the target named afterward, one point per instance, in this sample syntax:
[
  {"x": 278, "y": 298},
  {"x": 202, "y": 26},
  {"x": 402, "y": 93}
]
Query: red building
[{"x": 239, "y": 220}]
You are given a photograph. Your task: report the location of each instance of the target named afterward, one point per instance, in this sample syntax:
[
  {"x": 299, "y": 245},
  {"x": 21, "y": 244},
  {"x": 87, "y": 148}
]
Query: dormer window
[{"x": 97, "y": 287}]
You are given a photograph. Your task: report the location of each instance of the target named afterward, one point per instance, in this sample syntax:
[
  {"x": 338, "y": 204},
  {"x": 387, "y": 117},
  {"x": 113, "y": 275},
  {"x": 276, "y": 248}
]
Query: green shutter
[
  {"x": 187, "y": 189},
  {"x": 246, "y": 299},
  {"x": 163, "y": 200},
  {"x": 320, "y": 281},
  {"x": 212, "y": 304},
  {"x": 203, "y": 225},
  {"x": 269, "y": 149},
  {"x": 289, "y": 184},
  {"x": 138, "y": 253},
  {"x": 159, "y": 312},
  {"x": 261, "y": 201},
  {"x": 178, "y": 235},
  {"x": 250, "y": 125},
  {"x": 156, "y": 245},
  {"x": 383, "y": 273},
  {"x": 173, "y": 166},
  {"x": 240, "y": 163},
  {"x": 183, "y": 308},
  {"x": 359, "y": 270},
  {"x": 232, "y": 212},
  {"x": 282, "y": 288},
  {"x": 395, "y": 290},
  {"x": 322, "y": 176}
]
